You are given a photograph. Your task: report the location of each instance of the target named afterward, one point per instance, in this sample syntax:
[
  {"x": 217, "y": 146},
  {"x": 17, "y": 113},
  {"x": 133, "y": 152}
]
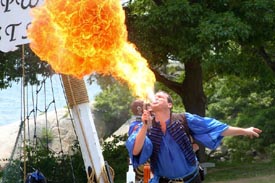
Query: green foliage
[
  {"x": 56, "y": 167},
  {"x": 12, "y": 173},
  {"x": 224, "y": 38},
  {"x": 46, "y": 136},
  {"x": 195, "y": 29},
  {"x": 111, "y": 106},
  {"x": 65, "y": 168},
  {"x": 271, "y": 150},
  {"x": 11, "y": 67},
  {"x": 222, "y": 26},
  {"x": 116, "y": 154},
  {"x": 244, "y": 103}
]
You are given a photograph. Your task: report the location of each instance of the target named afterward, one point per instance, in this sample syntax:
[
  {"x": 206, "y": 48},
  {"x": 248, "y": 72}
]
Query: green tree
[
  {"x": 111, "y": 107},
  {"x": 57, "y": 167},
  {"x": 116, "y": 154},
  {"x": 209, "y": 37},
  {"x": 224, "y": 36},
  {"x": 11, "y": 69},
  {"x": 244, "y": 103}
]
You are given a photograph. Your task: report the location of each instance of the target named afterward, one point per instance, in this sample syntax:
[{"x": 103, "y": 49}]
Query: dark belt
[{"x": 184, "y": 179}]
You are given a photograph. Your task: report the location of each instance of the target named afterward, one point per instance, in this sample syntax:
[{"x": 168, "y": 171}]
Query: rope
[
  {"x": 109, "y": 172},
  {"x": 73, "y": 87},
  {"x": 77, "y": 94},
  {"x": 14, "y": 166},
  {"x": 46, "y": 113},
  {"x": 34, "y": 105},
  {"x": 56, "y": 116},
  {"x": 66, "y": 99},
  {"x": 24, "y": 129},
  {"x": 75, "y": 90},
  {"x": 70, "y": 114},
  {"x": 103, "y": 170},
  {"x": 28, "y": 121},
  {"x": 23, "y": 103}
]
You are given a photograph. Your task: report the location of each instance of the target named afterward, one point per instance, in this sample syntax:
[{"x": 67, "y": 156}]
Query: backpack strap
[{"x": 182, "y": 118}]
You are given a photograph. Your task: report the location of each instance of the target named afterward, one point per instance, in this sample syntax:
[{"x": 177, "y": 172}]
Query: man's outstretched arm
[{"x": 236, "y": 131}]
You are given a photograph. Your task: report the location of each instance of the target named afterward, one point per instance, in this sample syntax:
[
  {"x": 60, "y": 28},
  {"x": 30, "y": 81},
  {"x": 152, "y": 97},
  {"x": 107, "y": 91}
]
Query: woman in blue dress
[{"x": 167, "y": 144}]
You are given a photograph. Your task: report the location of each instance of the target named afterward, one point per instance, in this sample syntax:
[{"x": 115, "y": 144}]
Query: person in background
[
  {"x": 167, "y": 144},
  {"x": 137, "y": 108}
]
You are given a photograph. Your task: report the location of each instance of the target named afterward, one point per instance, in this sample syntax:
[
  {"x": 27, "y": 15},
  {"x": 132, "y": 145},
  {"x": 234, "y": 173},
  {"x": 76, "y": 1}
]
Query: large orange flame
[{"x": 79, "y": 37}]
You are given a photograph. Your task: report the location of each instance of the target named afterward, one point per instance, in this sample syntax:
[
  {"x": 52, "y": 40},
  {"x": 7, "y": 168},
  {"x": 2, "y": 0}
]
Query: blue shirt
[{"x": 171, "y": 161}]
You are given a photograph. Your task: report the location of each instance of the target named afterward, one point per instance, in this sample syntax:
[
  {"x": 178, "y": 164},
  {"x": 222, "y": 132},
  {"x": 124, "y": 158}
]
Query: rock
[
  {"x": 8, "y": 134},
  {"x": 60, "y": 128}
]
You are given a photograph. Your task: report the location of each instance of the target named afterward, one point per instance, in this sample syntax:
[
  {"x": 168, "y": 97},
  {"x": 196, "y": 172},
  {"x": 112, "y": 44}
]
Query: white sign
[{"x": 14, "y": 21}]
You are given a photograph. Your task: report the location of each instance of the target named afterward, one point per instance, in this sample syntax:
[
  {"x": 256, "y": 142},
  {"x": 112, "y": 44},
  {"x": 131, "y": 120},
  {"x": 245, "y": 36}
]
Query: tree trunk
[{"x": 193, "y": 96}]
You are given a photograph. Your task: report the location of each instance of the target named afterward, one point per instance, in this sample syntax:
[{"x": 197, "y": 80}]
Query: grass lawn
[{"x": 241, "y": 172}]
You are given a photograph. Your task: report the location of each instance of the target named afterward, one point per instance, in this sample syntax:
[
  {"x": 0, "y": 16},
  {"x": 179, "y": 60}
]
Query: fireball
[{"x": 81, "y": 37}]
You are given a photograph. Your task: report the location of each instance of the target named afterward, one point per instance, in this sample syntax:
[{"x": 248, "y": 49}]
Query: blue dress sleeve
[
  {"x": 206, "y": 130},
  {"x": 145, "y": 152}
]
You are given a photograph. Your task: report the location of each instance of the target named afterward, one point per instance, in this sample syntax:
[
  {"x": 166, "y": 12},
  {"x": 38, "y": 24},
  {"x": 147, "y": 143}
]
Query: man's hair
[
  {"x": 169, "y": 98},
  {"x": 137, "y": 107}
]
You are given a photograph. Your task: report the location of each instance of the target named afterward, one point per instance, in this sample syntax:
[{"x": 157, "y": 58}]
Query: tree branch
[
  {"x": 175, "y": 86},
  {"x": 158, "y": 2},
  {"x": 267, "y": 58}
]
